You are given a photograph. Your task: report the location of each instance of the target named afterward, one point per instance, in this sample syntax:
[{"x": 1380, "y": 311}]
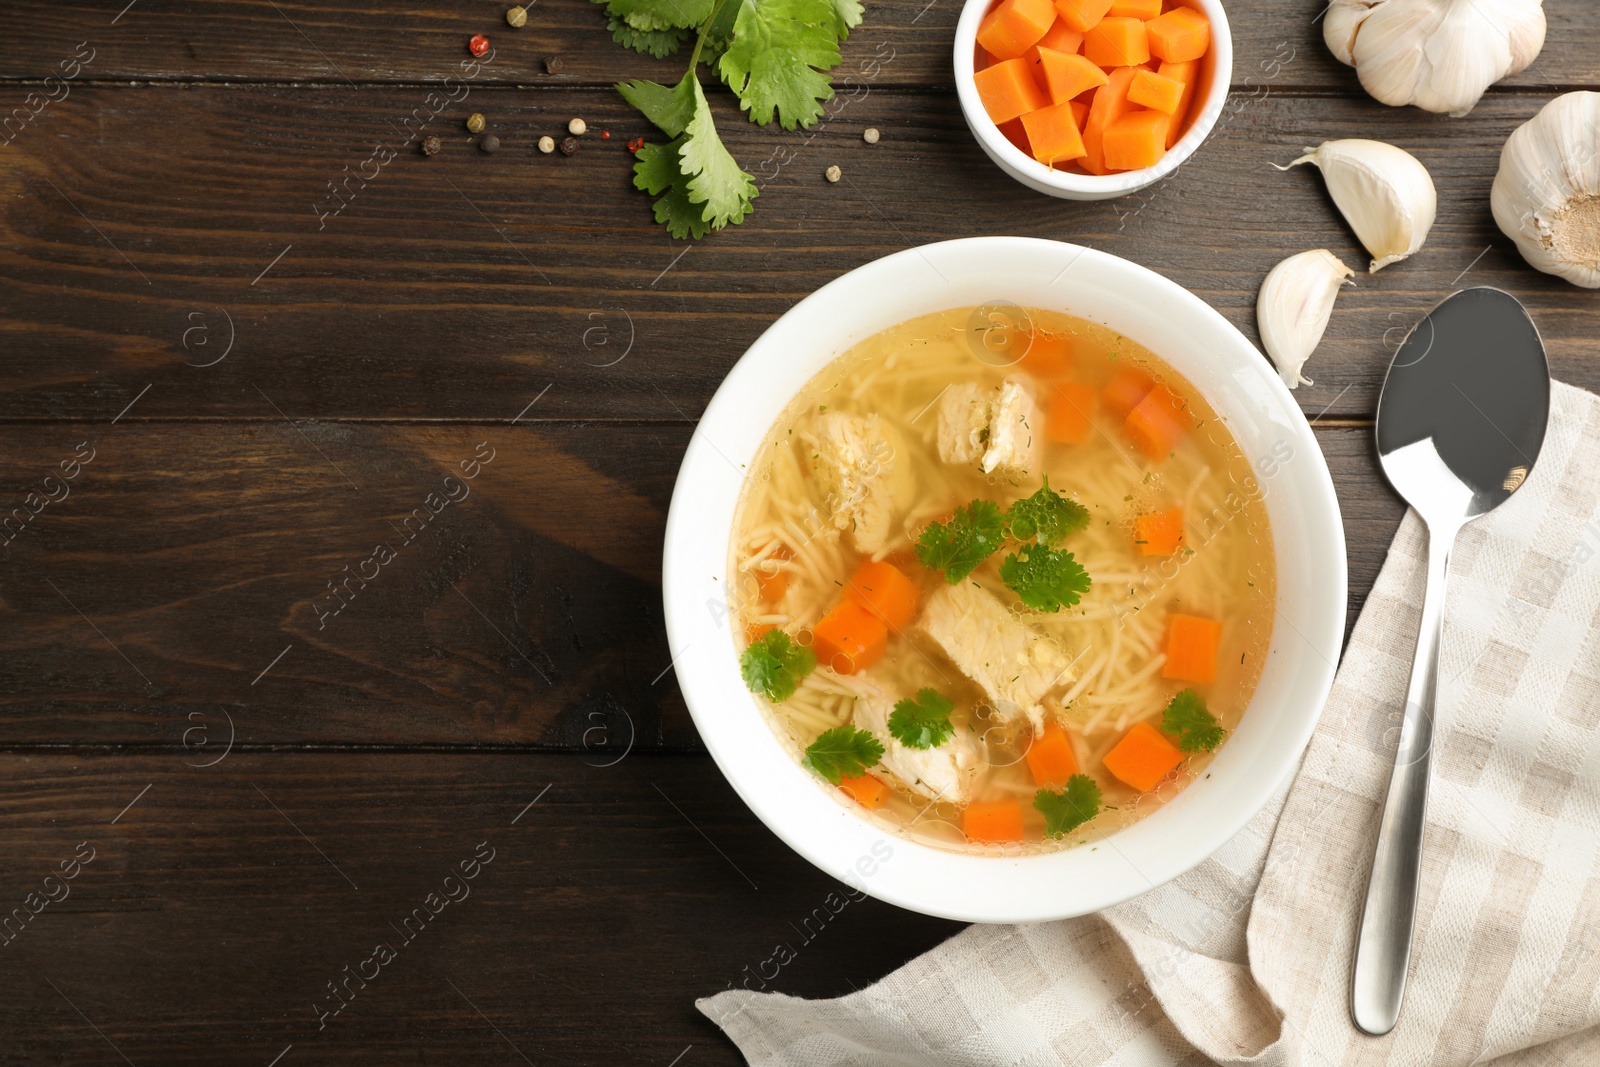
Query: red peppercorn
[
  {"x": 636, "y": 144},
  {"x": 605, "y": 135},
  {"x": 478, "y": 45}
]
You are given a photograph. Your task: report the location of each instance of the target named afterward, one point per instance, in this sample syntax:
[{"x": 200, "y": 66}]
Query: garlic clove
[
  {"x": 1546, "y": 195},
  {"x": 1437, "y": 54},
  {"x": 1384, "y": 193},
  {"x": 1293, "y": 308}
]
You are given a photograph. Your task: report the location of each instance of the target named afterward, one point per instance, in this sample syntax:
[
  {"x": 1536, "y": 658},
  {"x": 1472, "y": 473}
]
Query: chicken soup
[{"x": 1004, "y": 581}]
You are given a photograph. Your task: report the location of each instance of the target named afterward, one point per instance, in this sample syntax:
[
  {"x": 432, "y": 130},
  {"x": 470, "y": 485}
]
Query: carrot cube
[
  {"x": 1110, "y": 103},
  {"x": 1015, "y": 26},
  {"x": 993, "y": 820},
  {"x": 849, "y": 638},
  {"x": 1126, "y": 388},
  {"x": 1051, "y": 758},
  {"x": 1066, "y": 76},
  {"x": 1053, "y": 134},
  {"x": 1116, "y": 42},
  {"x": 1180, "y": 34},
  {"x": 1014, "y": 133},
  {"x": 1155, "y": 92},
  {"x": 885, "y": 591},
  {"x": 1067, "y": 419},
  {"x": 1191, "y": 648},
  {"x": 1009, "y": 90},
  {"x": 868, "y": 791},
  {"x": 1059, "y": 36},
  {"x": 1135, "y": 9},
  {"x": 1080, "y": 114},
  {"x": 1143, "y": 757},
  {"x": 1160, "y": 533},
  {"x": 1081, "y": 15},
  {"x": 1187, "y": 72},
  {"x": 1047, "y": 355},
  {"x": 1136, "y": 140},
  {"x": 1159, "y": 422}
]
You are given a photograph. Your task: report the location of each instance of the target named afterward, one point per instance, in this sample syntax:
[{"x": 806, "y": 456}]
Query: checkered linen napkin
[{"x": 1246, "y": 959}]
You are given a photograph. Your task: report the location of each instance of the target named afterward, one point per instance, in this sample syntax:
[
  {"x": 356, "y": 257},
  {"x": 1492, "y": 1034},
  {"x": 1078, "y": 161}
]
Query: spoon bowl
[{"x": 1461, "y": 420}]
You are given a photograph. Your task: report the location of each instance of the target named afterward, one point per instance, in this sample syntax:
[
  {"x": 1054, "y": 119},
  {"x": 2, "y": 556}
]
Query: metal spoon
[{"x": 1460, "y": 423}]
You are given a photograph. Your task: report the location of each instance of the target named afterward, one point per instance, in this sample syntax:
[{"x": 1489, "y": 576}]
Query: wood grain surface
[{"x": 268, "y": 332}]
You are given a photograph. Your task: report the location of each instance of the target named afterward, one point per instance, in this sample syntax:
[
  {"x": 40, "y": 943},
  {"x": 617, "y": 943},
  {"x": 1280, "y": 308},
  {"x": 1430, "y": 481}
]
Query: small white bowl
[
  {"x": 1307, "y": 534},
  {"x": 1216, "y": 71}
]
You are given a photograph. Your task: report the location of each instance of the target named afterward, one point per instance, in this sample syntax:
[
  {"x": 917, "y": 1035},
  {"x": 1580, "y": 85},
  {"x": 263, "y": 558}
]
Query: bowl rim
[
  {"x": 1024, "y": 168},
  {"x": 809, "y": 818}
]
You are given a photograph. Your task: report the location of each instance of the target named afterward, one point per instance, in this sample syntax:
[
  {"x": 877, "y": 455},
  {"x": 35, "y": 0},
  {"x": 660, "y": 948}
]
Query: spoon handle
[{"x": 1383, "y": 948}]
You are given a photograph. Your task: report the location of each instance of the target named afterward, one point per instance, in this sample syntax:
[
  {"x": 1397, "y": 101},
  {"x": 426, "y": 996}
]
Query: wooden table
[{"x": 273, "y": 765}]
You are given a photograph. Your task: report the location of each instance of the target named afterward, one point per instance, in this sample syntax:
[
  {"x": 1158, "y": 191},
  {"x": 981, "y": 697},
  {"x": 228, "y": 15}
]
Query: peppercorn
[
  {"x": 552, "y": 64},
  {"x": 569, "y": 145},
  {"x": 870, "y": 135},
  {"x": 577, "y": 127},
  {"x": 475, "y": 122},
  {"x": 833, "y": 174},
  {"x": 547, "y": 144},
  {"x": 636, "y": 144},
  {"x": 605, "y": 135},
  {"x": 490, "y": 144},
  {"x": 478, "y": 45},
  {"x": 517, "y": 16},
  {"x": 430, "y": 146}
]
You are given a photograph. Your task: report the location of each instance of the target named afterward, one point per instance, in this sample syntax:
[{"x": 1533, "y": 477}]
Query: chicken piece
[
  {"x": 947, "y": 772},
  {"x": 992, "y": 427},
  {"x": 1014, "y": 663},
  {"x": 855, "y": 464}
]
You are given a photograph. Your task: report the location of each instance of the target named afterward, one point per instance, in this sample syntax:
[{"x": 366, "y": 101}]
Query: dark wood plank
[
  {"x": 527, "y": 613},
  {"x": 451, "y": 287},
  {"x": 216, "y": 909},
  {"x": 327, "y": 41}
]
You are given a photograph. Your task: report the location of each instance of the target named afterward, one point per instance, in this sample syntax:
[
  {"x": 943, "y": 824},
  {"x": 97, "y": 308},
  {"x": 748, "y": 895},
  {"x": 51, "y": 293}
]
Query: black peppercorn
[
  {"x": 490, "y": 143},
  {"x": 430, "y": 146},
  {"x": 569, "y": 145}
]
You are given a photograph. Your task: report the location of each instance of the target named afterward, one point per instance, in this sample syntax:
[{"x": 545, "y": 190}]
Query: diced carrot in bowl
[
  {"x": 1151, "y": 90},
  {"x": 1143, "y": 757},
  {"x": 849, "y": 638},
  {"x": 1180, "y": 34},
  {"x": 1126, "y": 388},
  {"x": 1082, "y": 15},
  {"x": 1068, "y": 417},
  {"x": 1187, "y": 72},
  {"x": 867, "y": 790},
  {"x": 1015, "y": 26},
  {"x": 1192, "y": 644},
  {"x": 1051, "y": 759},
  {"x": 1053, "y": 134},
  {"x": 1110, "y": 103},
  {"x": 1009, "y": 90},
  {"x": 1116, "y": 42},
  {"x": 1067, "y": 76},
  {"x": 1159, "y": 422},
  {"x": 1135, "y": 9},
  {"x": 1059, "y": 37},
  {"x": 1136, "y": 140},
  {"x": 993, "y": 820},
  {"x": 1159, "y": 533},
  {"x": 1046, "y": 355},
  {"x": 885, "y": 591},
  {"x": 1080, "y": 115}
]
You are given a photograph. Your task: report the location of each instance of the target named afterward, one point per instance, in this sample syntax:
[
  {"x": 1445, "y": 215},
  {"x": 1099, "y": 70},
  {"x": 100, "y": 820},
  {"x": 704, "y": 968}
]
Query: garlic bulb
[
  {"x": 1437, "y": 54},
  {"x": 1547, "y": 193},
  {"x": 1384, "y": 192},
  {"x": 1293, "y": 307}
]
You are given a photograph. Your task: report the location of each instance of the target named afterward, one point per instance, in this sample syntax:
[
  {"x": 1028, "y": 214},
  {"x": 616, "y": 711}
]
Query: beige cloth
[{"x": 1246, "y": 959}]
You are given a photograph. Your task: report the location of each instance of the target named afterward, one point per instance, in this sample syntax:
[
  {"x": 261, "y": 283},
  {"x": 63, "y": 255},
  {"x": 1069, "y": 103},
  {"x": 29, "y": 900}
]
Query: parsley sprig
[
  {"x": 773, "y": 54},
  {"x": 842, "y": 752},
  {"x": 1047, "y": 579},
  {"x": 1074, "y": 805},
  {"x": 1046, "y": 516},
  {"x": 1188, "y": 717},
  {"x": 923, "y": 722},
  {"x": 774, "y": 665},
  {"x": 956, "y": 547}
]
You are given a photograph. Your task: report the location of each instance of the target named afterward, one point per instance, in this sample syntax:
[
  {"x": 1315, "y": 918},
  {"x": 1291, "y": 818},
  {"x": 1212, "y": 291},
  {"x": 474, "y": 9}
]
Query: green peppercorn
[
  {"x": 490, "y": 143},
  {"x": 475, "y": 122}
]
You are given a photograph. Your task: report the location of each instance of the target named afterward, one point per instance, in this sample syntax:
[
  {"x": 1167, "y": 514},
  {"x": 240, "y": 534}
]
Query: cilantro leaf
[
  {"x": 1196, "y": 727},
  {"x": 1046, "y": 515},
  {"x": 715, "y": 179},
  {"x": 847, "y": 16},
  {"x": 656, "y": 172},
  {"x": 1069, "y": 809},
  {"x": 669, "y": 107},
  {"x": 660, "y": 14},
  {"x": 779, "y": 49},
  {"x": 842, "y": 752},
  {"x": 774, "y": 665},
  {"x": 1047, "y": 579},
  {"x": 923, "y": 722},
  {"x": 956, "y": 547},
  {"x": 658, "y": 43}
]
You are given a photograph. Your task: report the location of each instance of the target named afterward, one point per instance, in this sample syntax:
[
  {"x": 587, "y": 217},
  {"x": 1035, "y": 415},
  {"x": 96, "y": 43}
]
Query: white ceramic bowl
[
  {"x": 1216, "y": 70},
  {"x": 1241, "y": 387}
]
